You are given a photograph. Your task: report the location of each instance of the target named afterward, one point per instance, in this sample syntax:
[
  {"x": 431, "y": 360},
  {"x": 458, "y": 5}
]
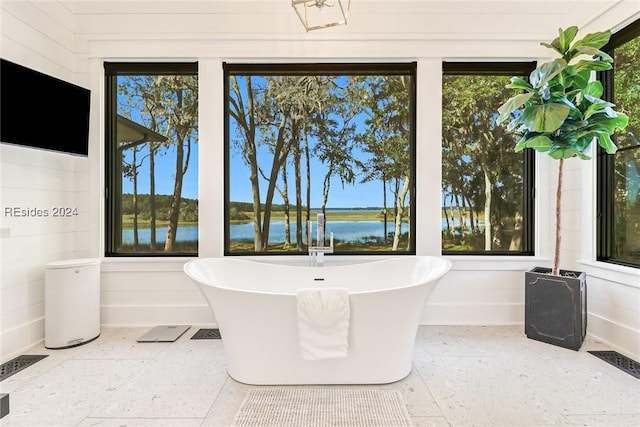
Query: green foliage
[
  {"x": 560, "y": 112},
  {"x": 188, "y": 207},
  {"x": 482, "y": 175}
]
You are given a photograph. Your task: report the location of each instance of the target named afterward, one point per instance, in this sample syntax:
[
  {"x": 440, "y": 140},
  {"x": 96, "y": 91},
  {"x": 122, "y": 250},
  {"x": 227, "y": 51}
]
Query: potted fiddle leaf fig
[{"x": 559, "y": 111}]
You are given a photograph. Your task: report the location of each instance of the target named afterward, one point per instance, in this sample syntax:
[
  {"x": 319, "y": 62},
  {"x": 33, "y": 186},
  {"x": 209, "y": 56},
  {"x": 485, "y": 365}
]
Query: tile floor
[{"x": 462, "y": 376}]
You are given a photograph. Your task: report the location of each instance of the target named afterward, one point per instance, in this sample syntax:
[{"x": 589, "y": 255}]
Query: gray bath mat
[
  {"x": 164, "y": 333},
  {"x": 322, "y": 406}
]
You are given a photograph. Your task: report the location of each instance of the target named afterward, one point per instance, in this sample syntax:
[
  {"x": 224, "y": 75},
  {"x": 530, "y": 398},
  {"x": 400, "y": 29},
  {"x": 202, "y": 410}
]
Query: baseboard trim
[
  {"x": 621, "y": 338},
  {"x": 20, "y": 339},
  {"x": 473, "y": 314},
  {"x": 129, "y": 315}
]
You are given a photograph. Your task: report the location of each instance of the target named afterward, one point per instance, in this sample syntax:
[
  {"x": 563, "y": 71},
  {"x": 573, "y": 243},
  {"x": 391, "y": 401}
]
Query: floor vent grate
[
  {"x": 616, "y": 359},
  {"x": 207, "y": 334},
  {"x": 16, "y": 365}
]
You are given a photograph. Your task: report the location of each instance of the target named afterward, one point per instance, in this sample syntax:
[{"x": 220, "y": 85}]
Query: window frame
[
  {"x": 605, "y": 163},
  {"x": 293, "y": 69},
  {"x": 113, "y": 183},
  {"x": 523, "y": 68}
]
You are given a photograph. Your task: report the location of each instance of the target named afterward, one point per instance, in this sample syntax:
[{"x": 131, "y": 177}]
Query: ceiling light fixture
[{"x": 317, "y": 14}]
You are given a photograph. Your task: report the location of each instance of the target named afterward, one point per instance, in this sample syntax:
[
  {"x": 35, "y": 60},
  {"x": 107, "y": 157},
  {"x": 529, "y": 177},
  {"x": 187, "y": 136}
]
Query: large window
[
  {"x": 152, "y": 159},
  {"x": 619, "y": 174},
  {"x": 487, "y": 188},
  {"x": 334, "y": 139}
]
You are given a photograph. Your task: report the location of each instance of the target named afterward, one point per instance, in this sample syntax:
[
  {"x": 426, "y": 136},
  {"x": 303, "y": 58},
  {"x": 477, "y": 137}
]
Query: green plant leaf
[
  {"x": 588, "y": 50},
  {"x": 567, "y": 36},
  {"x": 515, "y": 123},
  {"x": 563, "y": 152},
  {"x": 521, "y": 145},
  {"x": 511, "y": 105},
  {"x": 561, "y": 43},
  {"x": 545, "y": 72},
  {"x": 596, "y": 106},
  {"x": 610, "y": 120},
  {"x": 583, "y": 156},
  {"x": 519, "y": 83},
  {"x": 596, "y": 40},
  {"x": 566, "y": 139},
  {"x": 591, "y": 65},
  {"x": 574, "y": 112},
  {"x": 551, "y": 46},
  {"x": 575, "y": 79},
  {"x": 571, "y": 125},
  {"x": 540, "y": 143},
  {"x": 545, "y": 117},
  {"x": 605, "y": 141},
  {"x": 594, "y": 89}
]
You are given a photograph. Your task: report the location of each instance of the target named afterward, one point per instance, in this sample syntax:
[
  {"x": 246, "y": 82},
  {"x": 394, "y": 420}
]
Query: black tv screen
[{"x": 37, "y": 110}]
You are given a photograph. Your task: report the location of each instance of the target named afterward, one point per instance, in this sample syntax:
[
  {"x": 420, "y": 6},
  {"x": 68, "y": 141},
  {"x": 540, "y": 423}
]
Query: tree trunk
[
  {"x": 298, "y": 183},
  {"x": 400, "y": 213},
  {"x": 176, "y": 199},
  {"x": 280, "y": 152},
  {"x": 556, "y": 253},
  {"x": 446, "y": 218},
  {"x": 472, "y": 219},
  {"x": 487, "y": 211},
  {"x": 134, "y": 173},
  {"x": 286, "y": 208},
  {"x": 152, "y": 199},
  {"x": 182, "y": 165},
  {"x": 308, "y": 161},
  {"x": 461, "y": 219},
  {"x": 384, "y": 208}
]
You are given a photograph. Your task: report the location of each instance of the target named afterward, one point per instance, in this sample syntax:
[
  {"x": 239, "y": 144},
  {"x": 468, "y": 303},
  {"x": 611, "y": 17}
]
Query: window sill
[
  {"x": 460, "y": 262},
  {"x": 143, "y": 264},
  {"x": 621, "y": 274},
  {"x": 495, "y": 263}
]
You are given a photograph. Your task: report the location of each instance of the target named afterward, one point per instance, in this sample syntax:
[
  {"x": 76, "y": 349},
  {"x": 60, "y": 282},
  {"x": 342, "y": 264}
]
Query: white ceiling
[{"x": 439, "y": 18}]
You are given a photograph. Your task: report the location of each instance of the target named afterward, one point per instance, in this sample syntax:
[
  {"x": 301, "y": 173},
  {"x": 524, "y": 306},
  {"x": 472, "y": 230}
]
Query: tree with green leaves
[
  {"x": 559, "y": 110},
  {"x": 480, "y": 173},
  {"x": 167, "y": 105},
  {"x": 387, "y": 140}
]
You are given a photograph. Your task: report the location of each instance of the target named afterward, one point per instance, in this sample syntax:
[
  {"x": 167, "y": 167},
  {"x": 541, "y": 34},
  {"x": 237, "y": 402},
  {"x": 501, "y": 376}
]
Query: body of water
[
  {"x": 187, "y": 233},
  {"x": 346, "y": 231}
]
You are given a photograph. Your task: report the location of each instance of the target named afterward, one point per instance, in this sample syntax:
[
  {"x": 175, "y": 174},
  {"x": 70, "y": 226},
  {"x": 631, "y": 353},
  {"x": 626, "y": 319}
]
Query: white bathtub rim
[{"x": 189, "y": 268}]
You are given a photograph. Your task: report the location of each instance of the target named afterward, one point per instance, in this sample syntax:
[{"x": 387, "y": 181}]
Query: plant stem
[{"x": 556, "y": 255}]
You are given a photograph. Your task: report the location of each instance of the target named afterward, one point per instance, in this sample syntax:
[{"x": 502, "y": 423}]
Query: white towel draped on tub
[{"x": 323, "y": 323}]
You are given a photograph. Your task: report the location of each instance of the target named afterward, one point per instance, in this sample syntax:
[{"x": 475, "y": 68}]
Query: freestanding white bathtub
[{"x": 255, "y": 306}]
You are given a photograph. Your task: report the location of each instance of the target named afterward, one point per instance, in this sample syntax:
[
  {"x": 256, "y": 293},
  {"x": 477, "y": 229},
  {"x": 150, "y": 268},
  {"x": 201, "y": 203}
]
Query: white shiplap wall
[
  {"x": 40, "y": 37},
  {"x": 71, "y": 40}
]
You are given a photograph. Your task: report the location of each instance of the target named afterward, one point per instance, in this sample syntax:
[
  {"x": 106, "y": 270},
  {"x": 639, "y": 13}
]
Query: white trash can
[{"x": 71, "y": 302}]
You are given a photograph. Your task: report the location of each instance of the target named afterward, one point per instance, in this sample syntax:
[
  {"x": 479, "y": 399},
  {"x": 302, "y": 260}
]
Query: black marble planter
[{"x": 556, "y": 307}]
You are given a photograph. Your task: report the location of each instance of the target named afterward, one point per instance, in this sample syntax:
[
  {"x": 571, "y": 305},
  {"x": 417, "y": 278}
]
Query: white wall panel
[
  {"x": 614, "y": 312},
  {"x": 47, "y": 45},
  {"x": 42, "y": 39}
]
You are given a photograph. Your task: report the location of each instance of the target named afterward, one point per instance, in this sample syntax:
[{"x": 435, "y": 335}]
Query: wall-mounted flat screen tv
[{"x": 41, "y": 111}]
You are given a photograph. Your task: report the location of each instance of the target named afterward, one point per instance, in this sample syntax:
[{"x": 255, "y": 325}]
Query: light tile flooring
[{"x": 462, "y": 376}]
